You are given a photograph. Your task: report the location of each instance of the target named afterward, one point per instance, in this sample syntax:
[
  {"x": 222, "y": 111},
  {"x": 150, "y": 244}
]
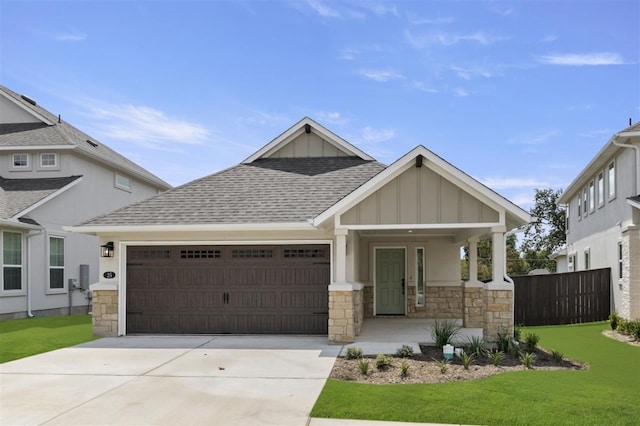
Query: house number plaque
[{"x": 109, "y": 275}]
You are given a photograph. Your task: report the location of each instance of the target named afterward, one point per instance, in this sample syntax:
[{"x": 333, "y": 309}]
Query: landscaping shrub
[
  {"x": 404, "y": 369},
  {"x": 444, "y": 332},
  {"x": 383, "y": 361},
  {"x": 613, "y": 320},
  {"x": 629, "y": 327},
  {"x": 496, "y": 357},
  {"x": 527, "y": 359},
  {"x": 354, "y": 352},
  {"x": 557, "y": 356},
  {"x": 466, "y": 359},
  {"x": 476, "y": 346},
  {"x": 405, "y": 351},
  {"x": 531, "y": 340},
  {"x": 363, "y": 365}
]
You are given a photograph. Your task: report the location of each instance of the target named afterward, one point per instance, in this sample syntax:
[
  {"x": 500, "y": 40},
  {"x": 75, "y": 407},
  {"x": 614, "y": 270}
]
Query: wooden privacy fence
[{"x": 569, "y": 298}]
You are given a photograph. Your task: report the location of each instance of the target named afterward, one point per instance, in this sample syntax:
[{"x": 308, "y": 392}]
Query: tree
[
  {"x": 516, "y": 265},
  {"x": 546, "y": 234}
]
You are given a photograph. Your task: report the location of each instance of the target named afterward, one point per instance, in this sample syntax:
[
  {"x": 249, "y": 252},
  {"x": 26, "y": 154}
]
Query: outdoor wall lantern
[{"x": 106, "y": 250}]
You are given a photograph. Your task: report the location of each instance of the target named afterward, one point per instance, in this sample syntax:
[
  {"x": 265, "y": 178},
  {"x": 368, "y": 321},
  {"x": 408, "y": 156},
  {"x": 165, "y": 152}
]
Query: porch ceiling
[{"x": 454, "y": 234}]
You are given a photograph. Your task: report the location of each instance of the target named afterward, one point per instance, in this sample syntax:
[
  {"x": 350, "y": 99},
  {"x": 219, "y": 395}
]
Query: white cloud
[
  {"x": 510, "y": 183},
  {"x": 69, "y": 36},
  {"x": 424, "y": 87},
  {"x": 371, "y": 135},
  {"x": 438, "y": 20},
  {"x": 349, "y": 54},
  {"x": 549, "y": 38},
  {"x": 380, "y": 75},
  {"x": 322, "y": 9},
  {"x": 381, "y": 9},
  {"x": 471, "y": 72},
  {"x": 420, "y": 41},
  {"x": 334, "y": 118},
  {"x": 460, "y": 92},
  {"x": 584, "y": 59},
  {"x": 533, "y": 139},
  {"x": 146, "y": 126}
]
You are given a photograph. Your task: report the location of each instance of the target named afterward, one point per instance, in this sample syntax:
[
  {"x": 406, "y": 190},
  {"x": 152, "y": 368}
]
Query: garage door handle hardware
[{"x": 225, "y": 298}]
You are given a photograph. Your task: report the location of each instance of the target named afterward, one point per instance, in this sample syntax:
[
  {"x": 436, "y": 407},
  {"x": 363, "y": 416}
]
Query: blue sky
[{"x": 520, "y": 95}]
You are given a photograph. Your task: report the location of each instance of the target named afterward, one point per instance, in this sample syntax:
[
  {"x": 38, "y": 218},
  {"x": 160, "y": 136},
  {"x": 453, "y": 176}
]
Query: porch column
[
  {"x": 473, "y": 259},
  {"x": 341, "y": 256},
  {"x": 498, "y": 258}
]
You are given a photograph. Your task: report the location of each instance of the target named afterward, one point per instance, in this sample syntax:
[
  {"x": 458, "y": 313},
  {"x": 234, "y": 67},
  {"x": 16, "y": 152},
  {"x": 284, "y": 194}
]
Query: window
[
  {"x": 571, "y": 262},
  {"x": 11, "y": 261},
  {"x": 56, "y": 263},
  {"x": 420, "y": 276},
  {"x": 600, "y": 189},
  {"x": 592, "y": 198},
  {"x": 48, "y": 160},
  {"x": 251, "y": 253},
  {"x": 20, "y": 161},
  {"x": 579, "y": 207},
  {"x": 567, "y": 217},
  {"x": 611, "y": 180},
  {"x": 584, "y": 202},
  {"x": 123, "y": 182},
  {"x": 620, "y": 270},
  {"x": 587, "y": 260}
]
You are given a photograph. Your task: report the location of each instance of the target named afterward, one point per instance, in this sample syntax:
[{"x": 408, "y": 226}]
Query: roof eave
[{"x": 110, "y": 229}]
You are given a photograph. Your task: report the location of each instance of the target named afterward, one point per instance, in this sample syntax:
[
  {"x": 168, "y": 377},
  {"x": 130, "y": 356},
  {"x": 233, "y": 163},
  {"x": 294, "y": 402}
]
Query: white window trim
[
  {"x": 601, "y": 196},
  {"x": 22, "y": 291},
  {"x": 424, "y": 276},
  {"x": 610, "y": 196},
  {"x": 620, "y": 261},
  {"x": 20, "y": 168},
  {"x": 56, "y": 164},
  {"x": 585, "y": 202},
  {"x": 567, "y": 219},
  {"x": 586, "y": 254},
  {"x": 580, "y": 206},
  {"x": 119, "y": 185},
  {"x": 571, "y": 262},
  {"x": 49, "y": 267},
  {"x": 591, "y": 189}
]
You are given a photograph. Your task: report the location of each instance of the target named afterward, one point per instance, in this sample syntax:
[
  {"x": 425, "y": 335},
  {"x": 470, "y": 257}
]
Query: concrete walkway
[{"x": 182, "y": 380}]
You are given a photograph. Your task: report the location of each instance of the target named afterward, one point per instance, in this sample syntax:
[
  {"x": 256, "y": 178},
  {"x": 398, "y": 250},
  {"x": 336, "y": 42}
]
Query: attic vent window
[
  {"x": 28, "y": 99},
  {"x": 93, "y": 144}
]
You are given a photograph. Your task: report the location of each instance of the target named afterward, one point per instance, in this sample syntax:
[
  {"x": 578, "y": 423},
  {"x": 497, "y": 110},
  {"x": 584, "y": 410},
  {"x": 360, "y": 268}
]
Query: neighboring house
[
  {"x": 603, "y": 218},
  {"x": 308, "y": 235},
  {"x": 53, "y": 175}
]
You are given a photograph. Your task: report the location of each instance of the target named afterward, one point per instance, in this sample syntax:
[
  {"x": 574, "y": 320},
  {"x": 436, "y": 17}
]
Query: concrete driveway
[{"x": 160, "y": 380}]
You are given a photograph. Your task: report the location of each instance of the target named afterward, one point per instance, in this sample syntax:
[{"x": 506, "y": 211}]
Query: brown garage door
[{"x": 228, "y": 289}]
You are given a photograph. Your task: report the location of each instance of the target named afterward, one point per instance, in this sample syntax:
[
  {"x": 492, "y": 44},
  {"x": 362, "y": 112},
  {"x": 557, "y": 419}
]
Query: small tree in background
[
  {"x": 547, "y": 234},
  {"x": 516, "y": 265}
]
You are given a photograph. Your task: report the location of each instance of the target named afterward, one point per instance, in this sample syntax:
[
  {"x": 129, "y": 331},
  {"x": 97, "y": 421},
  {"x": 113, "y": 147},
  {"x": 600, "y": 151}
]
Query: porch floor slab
[{"x": 387, "y": 334}]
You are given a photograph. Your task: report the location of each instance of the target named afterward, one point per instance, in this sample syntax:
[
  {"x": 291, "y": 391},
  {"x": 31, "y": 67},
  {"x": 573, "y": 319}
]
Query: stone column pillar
[
  {"x": 340, "y": 271},
  {"x": 498, "y": 255}
]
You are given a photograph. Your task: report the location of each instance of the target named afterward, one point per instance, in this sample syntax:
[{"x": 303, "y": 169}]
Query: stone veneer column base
[
  {"x": 345, "y": 312},
  {"x": 474, "y": 293},
  {"x": 498, "y": 316},
  {"x": 105, "y": 310}
]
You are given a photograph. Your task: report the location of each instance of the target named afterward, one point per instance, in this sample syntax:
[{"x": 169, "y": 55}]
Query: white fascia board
[
  {"x": 47, "y": 198},
  {"x": 270, "y": 242},
  {"x": 298, "y": 129},
  {"x": 419, "y": 226},
  {"x": 37, "y": 148},
  {"x": 17, "y": 224},
  {"x": 634, "y": 204},
  {"x": 26, "y": 108},
  {"x": 596, "y": 163},
  {"x": 436, "y": 164},
  {"x": 104, "y": 229}
]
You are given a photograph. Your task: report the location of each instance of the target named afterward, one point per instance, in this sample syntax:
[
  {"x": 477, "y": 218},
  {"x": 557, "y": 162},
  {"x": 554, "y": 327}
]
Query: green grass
[
  {"x": 606, "y": 393},
  {"x": 26, "y": 337}
]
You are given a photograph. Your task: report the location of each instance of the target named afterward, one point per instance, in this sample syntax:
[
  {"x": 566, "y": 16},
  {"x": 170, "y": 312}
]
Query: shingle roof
[
  {"x": 271, "y": 190},
  {"x": 62, "y": 133},
  {"x": 18, "y": 194}
]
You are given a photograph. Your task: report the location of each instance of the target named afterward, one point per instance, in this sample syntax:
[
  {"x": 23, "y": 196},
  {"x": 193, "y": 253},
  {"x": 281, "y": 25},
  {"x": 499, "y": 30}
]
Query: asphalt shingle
[
  {"x": 18, "y": 194},
  {"x": 269, "y": 190}
]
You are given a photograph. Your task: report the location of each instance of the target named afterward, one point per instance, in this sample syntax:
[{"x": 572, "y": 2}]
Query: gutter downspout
[
  {"x": 506, "y": 236},
  {"x": 614, "y": 140},
  {"x": 30, "y": 234}
]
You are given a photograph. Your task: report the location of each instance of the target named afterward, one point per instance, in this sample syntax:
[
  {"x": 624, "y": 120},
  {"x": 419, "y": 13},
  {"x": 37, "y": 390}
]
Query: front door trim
[{"x": 375, "y": 278}]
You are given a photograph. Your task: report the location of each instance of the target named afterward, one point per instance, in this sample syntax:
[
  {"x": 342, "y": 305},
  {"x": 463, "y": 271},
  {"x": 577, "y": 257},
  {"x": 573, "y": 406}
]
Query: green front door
[{"x": 390, "y": 281}]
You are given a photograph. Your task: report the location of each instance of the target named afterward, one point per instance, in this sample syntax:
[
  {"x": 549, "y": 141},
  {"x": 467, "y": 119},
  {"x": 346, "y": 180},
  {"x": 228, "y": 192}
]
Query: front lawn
[
  {"x": 31, "y": 336},
  {"x": 606, "y": 393}
]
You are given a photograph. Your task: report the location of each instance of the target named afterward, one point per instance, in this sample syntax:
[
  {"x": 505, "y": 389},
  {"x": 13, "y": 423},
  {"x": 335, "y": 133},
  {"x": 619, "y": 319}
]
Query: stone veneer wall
[
  {"x": 358, "y": 310},
  {"x": 498, "y": 312},
  {"x": 368, "y": 301},
  {"x": 630, "y": 281},
  {"x": 105, "y": 313},
  {"x": 473, "y": 307},
  {"x": 440, "y": 303},
  {"x": 342, "y": 327}
]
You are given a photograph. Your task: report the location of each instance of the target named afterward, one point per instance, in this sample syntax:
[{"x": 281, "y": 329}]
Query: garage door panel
[{"x": 244, "y": 290}]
